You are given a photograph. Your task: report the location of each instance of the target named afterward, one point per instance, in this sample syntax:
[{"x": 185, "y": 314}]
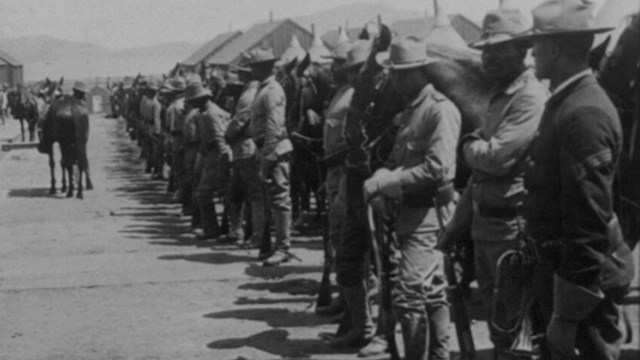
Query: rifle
[
  {"x": 383, "y": 273},
  {"x": 456, "y": 294}
]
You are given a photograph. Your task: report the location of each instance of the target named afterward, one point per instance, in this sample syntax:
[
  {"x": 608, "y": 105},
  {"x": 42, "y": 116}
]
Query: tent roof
[
  {"x": 9, "y": 59},
  {"x": 210, "y": 47},
  {"x": 250, "y": 39}
]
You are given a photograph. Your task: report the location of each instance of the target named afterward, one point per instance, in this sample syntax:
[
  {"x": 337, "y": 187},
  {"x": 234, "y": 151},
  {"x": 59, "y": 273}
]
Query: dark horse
[
  {"x": 24, "y": 107},
  {"x": 619, "y": 75},
  {"x": 308, "y": 89},
  {"x": 67, "y": 123}
]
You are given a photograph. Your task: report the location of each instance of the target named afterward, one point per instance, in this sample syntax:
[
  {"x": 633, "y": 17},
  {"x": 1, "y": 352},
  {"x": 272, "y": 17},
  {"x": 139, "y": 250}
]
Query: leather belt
[
  {"x": 498, "y": 212},
  {"x": 441, "y": 196}
]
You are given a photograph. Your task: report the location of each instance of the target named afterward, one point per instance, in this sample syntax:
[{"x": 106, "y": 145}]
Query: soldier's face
[
  {"x": 545, "y": 53},
  {"x": 408, "y": 82},
  {"x": 502, "y": 61}
]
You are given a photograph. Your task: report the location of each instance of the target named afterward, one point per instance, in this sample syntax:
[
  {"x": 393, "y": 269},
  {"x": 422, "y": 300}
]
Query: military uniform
[
  {"x": 496, "y": 154},
  {"x": 245, "y": 182},
  {"x": 211, "y": 124},
  {"x": 175, "y": 118},
  {"x": 333, "y": 145},
  {"x": 423, "y": 165},
  {"x": 273, "y": 151},
  {"x": 584, "y": 265}
]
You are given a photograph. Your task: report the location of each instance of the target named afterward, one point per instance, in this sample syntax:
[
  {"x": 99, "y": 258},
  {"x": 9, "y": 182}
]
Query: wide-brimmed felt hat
[
  {"x": 563, "y": 17},
  {"x": 340, "y": 52},
  {"x": 259, "y": 56},
  {"x": 239, "y": 68},
  {"x": 154, "y": 85},
  {"x": 358, "y": 54},
  {"x": 499, "y": 27},
  {"x": 405, "y": 52},
  {"x": 196, "y": 90},
  {"x": 176, "y": 85},
  {"x": 80, "y": 86}
]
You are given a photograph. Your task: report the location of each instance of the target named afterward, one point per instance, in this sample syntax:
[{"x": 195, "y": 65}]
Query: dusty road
[{"x": 114, "y": 277}]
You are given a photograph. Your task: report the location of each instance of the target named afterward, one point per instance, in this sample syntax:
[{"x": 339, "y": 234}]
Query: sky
[{"x": 120, "y": 24}]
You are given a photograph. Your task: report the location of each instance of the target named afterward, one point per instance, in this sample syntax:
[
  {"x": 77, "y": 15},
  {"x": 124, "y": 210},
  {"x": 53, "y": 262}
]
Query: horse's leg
[
  {"x": 80, "y": 171},
  {"x": 31, "y": 126},
  {"x": 52, "y": 168},
  {"x": 22, "y": 128},
  {"x": 85, "y": 164},
  {"x": 64, "y": 174},
  {"x": 68, "y": 164}
]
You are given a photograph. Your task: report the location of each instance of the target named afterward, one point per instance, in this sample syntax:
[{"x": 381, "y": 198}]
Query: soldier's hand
[{"x": 378, "y": 204}]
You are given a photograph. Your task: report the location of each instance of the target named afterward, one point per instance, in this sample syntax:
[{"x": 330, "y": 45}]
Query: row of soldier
[{"x": 566, "y": 208}]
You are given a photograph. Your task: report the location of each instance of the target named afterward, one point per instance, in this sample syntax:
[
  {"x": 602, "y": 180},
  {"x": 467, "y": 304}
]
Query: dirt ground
[{"x": 114, "y": 276}]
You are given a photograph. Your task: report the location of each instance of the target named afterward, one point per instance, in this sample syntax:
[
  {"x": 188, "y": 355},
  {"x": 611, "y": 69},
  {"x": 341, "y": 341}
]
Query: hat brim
[
  {"x": 383, "y": 60},
  {"x": 203, "y": 94},
  {"x": 81, "y": 90},
  {"x": 495, "y": 40},
  {"x": 263, "y": 62},
  {"x": 535, "y": 34}
]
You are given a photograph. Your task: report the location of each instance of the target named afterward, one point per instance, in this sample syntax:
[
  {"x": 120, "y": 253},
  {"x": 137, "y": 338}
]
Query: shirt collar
[
  {"x": 426, "y": 91},
  {"x": 519, "y": 82},
  {"x": 570, "y": 80},
  {"x": 268, "y": 80}
]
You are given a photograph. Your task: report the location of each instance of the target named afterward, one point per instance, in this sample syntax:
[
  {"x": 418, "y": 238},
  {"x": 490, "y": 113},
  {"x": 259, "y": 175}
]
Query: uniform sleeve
[
  {"x": 217, "y": 124},
  {"x": 439, "y": 160},
  {"x": 157, "y": 118},
  {"x": 498, "y": 154},
  {"x": 274, "y": 120},
  {"x": 587, "y": 165},
  {"x": 242, "y": 116}
]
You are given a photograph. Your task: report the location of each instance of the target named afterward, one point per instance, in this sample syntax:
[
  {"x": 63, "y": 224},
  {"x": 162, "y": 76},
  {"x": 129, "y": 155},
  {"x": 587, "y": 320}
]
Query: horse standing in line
[
  {"x": 24, "y": 107},
  {"x": 67, "y": 123},
  {"x": 620, "y": 76},
  {"x": 308, "y": 88}
]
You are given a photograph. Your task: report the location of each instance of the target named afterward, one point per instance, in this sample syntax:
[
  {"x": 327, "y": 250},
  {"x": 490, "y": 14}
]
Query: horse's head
[
  {"x": 619, "y": 72},
  {"x": 51, "y": 90}
]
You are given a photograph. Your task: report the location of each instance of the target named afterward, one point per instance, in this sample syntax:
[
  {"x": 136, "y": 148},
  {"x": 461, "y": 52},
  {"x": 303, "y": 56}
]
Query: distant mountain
[
  {"x": 46, "y": 56},
  {"x": 355, "y": 14},
  {"x": 45, "y": 47}
]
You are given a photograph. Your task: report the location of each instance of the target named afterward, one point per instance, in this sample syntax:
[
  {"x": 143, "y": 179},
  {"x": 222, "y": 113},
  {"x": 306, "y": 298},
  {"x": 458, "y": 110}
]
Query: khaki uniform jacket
[
  {"x": 497, "y": 153},
  {"x": 268, "y": 126},
  {"x": 210, "y": 127},
  {"x": 425, "y": 144},
  {"x": 238, "y": 134}
]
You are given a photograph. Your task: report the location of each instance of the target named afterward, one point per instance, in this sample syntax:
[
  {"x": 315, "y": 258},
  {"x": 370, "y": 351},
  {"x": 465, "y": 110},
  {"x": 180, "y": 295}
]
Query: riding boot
[
  {"x": 336, "y": 307},
  {"x": 257, "y": 224},
  {"x": 208, "y": 217},
  {"x": 361, "y": 330},
  {"x": 236, "y": 231},
  {"x": 384, "y": 328},
  {"x": 279, "y": 255},
  {"x": 415, "y": 331},
  {"x": 439, "y": 318}
]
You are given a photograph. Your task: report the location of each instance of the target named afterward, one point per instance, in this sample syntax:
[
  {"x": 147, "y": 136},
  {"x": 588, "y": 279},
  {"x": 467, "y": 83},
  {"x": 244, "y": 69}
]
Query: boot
[
  {"x": 236, "y": 232},
  {"x": 282, "y": 219},
  {"x": 414, "y": 333},
  {"x": 336, "y": 307},
  {"x": 361, "y": 324},
  {"x": 385, "y": 328},
  {"x": 257, "y": 222},
  {"x": 376, "y": 347},
  {"x": 208, "y": 217}
]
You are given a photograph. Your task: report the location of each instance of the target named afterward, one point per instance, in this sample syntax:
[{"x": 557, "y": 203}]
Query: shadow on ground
[
  {"x": 274, "y": 317},
  {"x": 277, "y": 342},
  {"x": 36, "y": 193}
]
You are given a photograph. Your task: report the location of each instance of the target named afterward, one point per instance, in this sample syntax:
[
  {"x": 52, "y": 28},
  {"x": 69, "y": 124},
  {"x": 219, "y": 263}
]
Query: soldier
[
  {"x": 173, "y": 94},
  {"x": 245, "y": 182},
  {"x": 418, "y": 176},
  {"x": 496, "y": 154},
  {"x": 352, "y": 250},
  {"x": 211, "y": 122},
  {"x": 273, "y": 150},
  {"x": 156, "y": 134},
  {"x": 584, "y": 266},
  {"x": 334, "y": 148}
]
